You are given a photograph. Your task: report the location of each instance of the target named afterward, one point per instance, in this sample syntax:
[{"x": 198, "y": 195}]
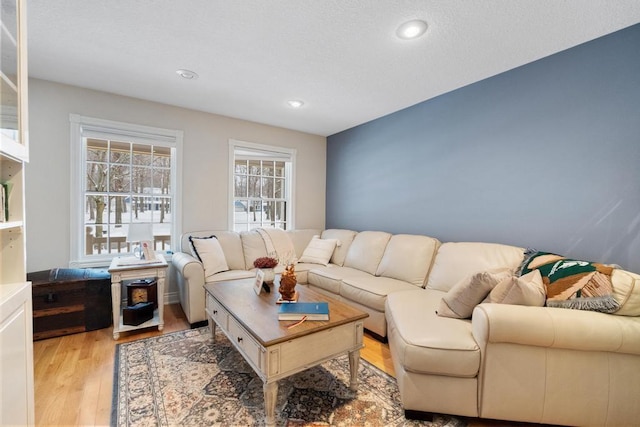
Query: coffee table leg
[
  {"x": 354, "y": 361},
  {"x": 270, "y": 396}
]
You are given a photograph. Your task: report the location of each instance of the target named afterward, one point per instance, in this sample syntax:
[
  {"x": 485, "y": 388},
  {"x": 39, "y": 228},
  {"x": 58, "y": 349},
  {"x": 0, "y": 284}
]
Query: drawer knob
[
  {"x": 239, "y": 339},
  {"x": 215, "y": 311}
]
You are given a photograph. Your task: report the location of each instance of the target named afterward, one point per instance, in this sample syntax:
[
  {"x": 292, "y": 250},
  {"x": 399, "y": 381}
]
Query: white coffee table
[{"x": 273, "y": 350}]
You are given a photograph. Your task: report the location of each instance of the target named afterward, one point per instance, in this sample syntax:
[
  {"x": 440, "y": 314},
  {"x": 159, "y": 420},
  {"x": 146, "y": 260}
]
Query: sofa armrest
[
  {"x": 190, "y": 275},
  {"x": 555, "y": 328}
]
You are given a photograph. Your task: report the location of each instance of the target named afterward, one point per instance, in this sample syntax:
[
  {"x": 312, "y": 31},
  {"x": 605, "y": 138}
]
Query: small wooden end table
[{"x": 124, "y": 268}]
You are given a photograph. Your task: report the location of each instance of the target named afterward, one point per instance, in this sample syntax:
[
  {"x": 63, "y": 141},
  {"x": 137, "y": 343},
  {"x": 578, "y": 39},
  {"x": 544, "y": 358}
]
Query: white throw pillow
[
  {"x": 319, "y": 251},
  {"x": 209, "y": 252}
]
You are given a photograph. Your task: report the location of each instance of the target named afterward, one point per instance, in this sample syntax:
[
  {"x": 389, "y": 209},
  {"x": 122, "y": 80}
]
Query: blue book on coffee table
[{"x": 298, "y": 310}]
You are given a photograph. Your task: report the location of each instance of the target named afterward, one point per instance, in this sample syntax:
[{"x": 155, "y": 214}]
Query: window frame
[
  {"x": 90, "y": 127},
  {"x": 286, "y": 154}
]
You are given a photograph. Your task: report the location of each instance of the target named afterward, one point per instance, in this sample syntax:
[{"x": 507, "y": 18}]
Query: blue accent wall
[{"x": 546, "y": 156}]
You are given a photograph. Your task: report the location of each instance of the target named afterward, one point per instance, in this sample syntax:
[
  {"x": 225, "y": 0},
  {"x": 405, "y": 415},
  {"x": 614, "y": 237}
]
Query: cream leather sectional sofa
[{"x": 508, "y": 362}]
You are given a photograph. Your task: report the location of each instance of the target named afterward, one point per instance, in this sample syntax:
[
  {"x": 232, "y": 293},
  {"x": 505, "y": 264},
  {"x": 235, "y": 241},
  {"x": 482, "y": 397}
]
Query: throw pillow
[
  {"x": 210, "y": 254},
  {"x": 319, "y": 251},
  {"x": 525, "y": 290},
  {"x": 460, "y": 301},
  {"x": 570, "y": 283}
]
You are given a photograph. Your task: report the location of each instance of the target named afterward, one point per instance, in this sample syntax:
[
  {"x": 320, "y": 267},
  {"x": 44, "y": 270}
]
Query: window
[
  {"x": 261, "y": 186},
  {"x": 123, "y": 174}
]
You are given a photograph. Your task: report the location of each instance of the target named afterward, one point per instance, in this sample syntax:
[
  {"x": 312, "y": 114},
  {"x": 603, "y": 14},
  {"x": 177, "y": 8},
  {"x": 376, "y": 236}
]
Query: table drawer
[
  {"x": 306, "y": 351},
  {"x": 217, "y": 313},
  {"x": 243, "y": 341}
]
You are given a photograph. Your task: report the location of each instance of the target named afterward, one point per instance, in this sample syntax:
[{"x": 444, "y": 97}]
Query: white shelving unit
[{"x": 16, "y": 322}]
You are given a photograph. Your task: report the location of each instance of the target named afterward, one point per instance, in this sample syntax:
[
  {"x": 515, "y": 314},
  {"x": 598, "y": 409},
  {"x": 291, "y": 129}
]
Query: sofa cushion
[
  {"x": 451, "y": 351},
  {"x": 626, "y": 290},
  {"x": 232, "y": 248},
  {"x": 210, "y": 254},
  {"x": 524, "y": 290},
  {"x": 330, "y": 278},
  {"x": 253, "y": 247},
  {"x": 366, "y": 251},
  {"x": 301, "y": 237},
  {"x": 371, "y": 291},
  {"x": 408, "y": 257},
  {"x": 319, "y": 251},
  {"x": 456, "y": 260},
  {"x": 460, "y": 300},
  {"x": 345, "y": 237}
]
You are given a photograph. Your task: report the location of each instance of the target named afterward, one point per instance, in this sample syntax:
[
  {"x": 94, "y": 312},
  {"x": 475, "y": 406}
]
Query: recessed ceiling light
[
  {"x": 295, "y": 103},
  {"x": 411, "y": 29},
  {"x": 187, "y": 74}
]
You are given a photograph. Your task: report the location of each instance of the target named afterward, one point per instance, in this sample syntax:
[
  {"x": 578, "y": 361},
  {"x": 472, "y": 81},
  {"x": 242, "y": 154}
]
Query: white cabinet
[
  {"x": 16, "y": 330},
  {"x": 16, "y": 379}
]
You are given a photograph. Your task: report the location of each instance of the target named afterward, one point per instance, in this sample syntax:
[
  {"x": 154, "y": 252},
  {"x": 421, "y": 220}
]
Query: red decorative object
[{"x": 265, "y": 262}]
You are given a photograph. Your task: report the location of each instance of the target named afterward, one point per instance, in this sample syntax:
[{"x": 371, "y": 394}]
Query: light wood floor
[{"x": 74, "y": 374}]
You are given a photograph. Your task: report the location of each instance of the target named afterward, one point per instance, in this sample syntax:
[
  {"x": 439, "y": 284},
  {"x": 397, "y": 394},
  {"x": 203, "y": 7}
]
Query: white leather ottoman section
[
  {"x": 433, "y": 393},
  {"x": 452, "y": 351}
]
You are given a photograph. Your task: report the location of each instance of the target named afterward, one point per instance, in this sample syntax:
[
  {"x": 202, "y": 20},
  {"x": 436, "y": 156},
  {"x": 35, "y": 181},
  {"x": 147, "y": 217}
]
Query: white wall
[{"x": 205, "y": 163}]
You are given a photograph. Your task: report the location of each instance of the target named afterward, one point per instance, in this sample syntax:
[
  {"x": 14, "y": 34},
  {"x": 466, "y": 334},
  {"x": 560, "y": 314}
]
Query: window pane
[
  {"x": 240, "y": 187},
  {"x": 279, "y": 169},
  {"x": 278, "y": 188},
  {"x": 281, "y": 211},
  {"x": 162, "y": 157},
  {"x": 96, "y": 150},
  {"x": 254, "y": 186},
  {"x": 161, "y": 181},
  {"x": 267, "y": 187},
  {"x": 254, "y": 167},
  {"x": 97, "y": 176},
  {"x": 119, "y": 178},
  {"x": 267, "y": 168},
  {"x": 163, "y": 213},
  {"x": 120, "y": 152},
  {"x": 141, "y": 180},
  {"x": 142, "y": 154},
  {"x": 117, "y": 210},
  {"x": 241, "y": 167},
  {"x": 118, "y": 239},
  {"x": 95, "y": 210}
]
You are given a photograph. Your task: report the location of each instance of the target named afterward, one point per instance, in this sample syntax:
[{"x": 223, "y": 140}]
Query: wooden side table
[{"x": 124, "y": 268}]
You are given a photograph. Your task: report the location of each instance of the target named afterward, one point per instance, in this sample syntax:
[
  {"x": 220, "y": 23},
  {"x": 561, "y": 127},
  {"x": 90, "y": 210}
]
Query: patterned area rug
[{"x": 186, "y": 378}]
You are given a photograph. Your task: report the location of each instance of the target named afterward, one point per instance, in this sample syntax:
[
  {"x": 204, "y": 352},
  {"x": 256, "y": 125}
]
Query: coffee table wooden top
[{"x": 258, "y": 314}]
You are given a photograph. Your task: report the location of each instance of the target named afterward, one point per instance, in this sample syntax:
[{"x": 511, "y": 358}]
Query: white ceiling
[{"x": 341, "y": 57}]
